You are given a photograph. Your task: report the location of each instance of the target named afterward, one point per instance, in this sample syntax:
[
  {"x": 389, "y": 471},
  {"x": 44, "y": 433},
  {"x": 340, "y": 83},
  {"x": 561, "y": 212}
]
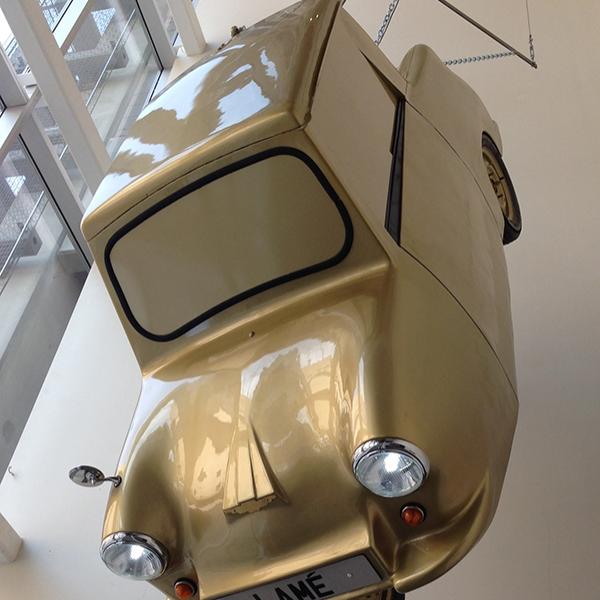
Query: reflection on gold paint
[
  {"x": 222, "y": 416},
  {"x": 240, "y": 104},
  {"x": 180, "y": 463},
  {"x": 359, "y": 405},
  {"x": 270, "y": 66}
]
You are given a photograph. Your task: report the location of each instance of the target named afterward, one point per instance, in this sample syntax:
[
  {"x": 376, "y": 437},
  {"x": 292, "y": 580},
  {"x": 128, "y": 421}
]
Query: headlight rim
[
  {"x": 376, "y": 445},
  {"x": 121, "y": 538}
]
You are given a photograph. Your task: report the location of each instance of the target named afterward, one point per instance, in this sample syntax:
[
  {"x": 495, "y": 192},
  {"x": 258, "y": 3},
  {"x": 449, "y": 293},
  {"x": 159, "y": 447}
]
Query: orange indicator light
[
  {"x": 185, "y": 589},
  {"x": 412, "y": 515}
]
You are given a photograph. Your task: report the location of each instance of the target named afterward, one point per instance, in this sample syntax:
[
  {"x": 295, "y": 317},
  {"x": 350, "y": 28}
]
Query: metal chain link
[
  {"x": 479, "y": 58},
  {"x": 496, "y": 55},
  {"x": 531, "y": 47},
  {"x": 466, "y": 59},
  {"x": 386, "y": 21}
]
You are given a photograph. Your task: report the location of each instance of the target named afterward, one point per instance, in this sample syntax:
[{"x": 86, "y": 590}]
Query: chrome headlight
[
  {"x": 134, "y": 555},
  {"x": 390, "y": 468}
]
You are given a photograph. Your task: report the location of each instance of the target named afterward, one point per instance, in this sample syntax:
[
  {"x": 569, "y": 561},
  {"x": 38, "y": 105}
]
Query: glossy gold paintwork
[
  {"x": 264, "y": 77},
  {"x": 238, "y": 458}
]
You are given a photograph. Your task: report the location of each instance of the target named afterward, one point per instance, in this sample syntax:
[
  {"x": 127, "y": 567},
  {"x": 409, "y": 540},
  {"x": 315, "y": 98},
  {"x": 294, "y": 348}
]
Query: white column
[
  {"x": 188, "y": 25},
  {"x": 52, "y": 74},
  {"x": 10, "y": 542}
]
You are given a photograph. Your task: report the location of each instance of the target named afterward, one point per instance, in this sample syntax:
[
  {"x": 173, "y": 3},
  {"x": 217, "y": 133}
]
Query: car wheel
[{"x": 503, "y": 188}]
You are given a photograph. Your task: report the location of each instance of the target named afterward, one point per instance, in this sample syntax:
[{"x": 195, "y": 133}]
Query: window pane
[
  {"x": 46, "y": 120},
  {"x": 167, "y": 19},
  {"x": 41, "y": 276},
  {"x": 114, "y": 65},
  {"x": 12, "y": 49},
  {"x": 53, "y": 10}
]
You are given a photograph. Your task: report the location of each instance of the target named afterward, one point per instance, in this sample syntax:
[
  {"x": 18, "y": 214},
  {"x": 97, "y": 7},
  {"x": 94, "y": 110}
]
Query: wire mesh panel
[{"x": 22, "y": 200}]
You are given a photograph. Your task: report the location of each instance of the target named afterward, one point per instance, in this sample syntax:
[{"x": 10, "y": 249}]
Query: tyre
[{"x": 504, "y": 190}]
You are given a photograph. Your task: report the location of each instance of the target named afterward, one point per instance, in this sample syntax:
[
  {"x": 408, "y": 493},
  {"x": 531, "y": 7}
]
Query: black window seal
[
  {"x": 393, "y": 213},
  {"x": 256, "y": 158}
]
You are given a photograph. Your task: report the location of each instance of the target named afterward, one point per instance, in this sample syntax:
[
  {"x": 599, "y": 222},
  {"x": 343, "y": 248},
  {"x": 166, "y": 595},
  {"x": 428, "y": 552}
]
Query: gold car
[{"x": 304, "y": 245}]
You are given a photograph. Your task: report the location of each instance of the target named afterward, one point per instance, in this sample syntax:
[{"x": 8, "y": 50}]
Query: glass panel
[
  {"x": 46, "y": 120},
  {"x": 41, "y": 276},
  {"x": 115, "y": 67},
  {"x": 12, "y": 49},
  {"x": 53, "y": 10},
  {"x": 167, "y": 19},
  {"x": 245, "y": 232}
]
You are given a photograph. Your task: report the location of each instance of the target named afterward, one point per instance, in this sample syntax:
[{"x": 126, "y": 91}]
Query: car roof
[{"x": 257, "y": 86}]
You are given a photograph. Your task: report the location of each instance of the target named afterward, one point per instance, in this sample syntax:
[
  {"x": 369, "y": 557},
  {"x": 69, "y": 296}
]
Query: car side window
[{"x": 393, "y": 215}]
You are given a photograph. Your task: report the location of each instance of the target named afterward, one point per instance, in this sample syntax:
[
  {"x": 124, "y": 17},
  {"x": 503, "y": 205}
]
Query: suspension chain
[
  {"x": 386, "y": 21},
  {"x": 478, "y": 58},
  {"x": 531, "y": 46},
  {"x": 496, "y": 55}
]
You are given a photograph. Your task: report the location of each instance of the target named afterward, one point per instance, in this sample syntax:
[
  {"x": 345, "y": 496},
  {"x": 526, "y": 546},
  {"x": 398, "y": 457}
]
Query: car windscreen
[{"x": 240, "y": 231}]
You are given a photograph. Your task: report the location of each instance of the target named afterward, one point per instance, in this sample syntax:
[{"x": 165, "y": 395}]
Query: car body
[{"x": 305, "y": 251}]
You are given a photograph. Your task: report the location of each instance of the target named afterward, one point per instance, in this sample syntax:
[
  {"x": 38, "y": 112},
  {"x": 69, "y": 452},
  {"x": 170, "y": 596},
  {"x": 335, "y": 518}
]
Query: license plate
[{"x": 323, "y": 582}]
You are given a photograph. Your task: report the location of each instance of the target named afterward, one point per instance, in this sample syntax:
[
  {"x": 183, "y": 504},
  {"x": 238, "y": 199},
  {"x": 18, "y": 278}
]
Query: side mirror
[{"x": 91, "y": 477}]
